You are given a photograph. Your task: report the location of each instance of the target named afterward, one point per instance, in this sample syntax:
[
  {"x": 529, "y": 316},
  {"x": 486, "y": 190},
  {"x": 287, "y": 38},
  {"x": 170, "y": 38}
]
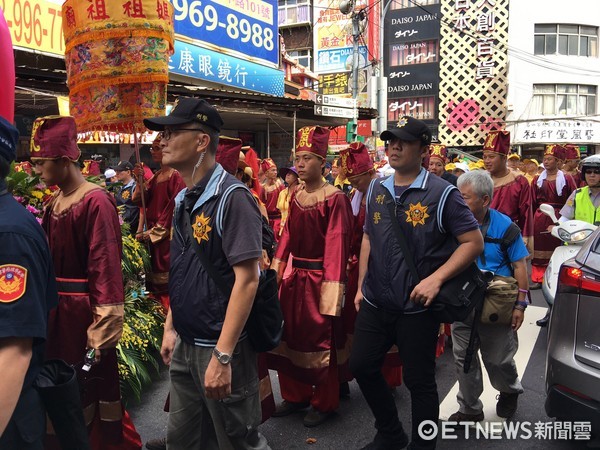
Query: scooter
[{"x": 574, "y": 233}]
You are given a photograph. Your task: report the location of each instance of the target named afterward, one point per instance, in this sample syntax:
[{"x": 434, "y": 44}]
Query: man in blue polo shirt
[
  {"x": 444, "y": 239},
  {"x": 504, "y": 256}
]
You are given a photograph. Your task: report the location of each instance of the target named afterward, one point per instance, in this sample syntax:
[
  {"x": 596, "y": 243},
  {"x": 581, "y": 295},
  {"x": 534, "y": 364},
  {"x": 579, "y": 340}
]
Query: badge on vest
[
  {"x": 125, "y": 195},
  {"x": 416, "y": 214},
  {"x": 13, "y": 281},
  {"x": 201, "y": 228}
]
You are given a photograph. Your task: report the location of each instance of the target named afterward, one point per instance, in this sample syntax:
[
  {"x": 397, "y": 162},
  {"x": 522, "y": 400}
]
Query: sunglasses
[{"x": 594, "y": 171}]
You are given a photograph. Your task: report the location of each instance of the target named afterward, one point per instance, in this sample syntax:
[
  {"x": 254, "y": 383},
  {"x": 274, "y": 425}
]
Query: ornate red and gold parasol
[{"x": 116, "y": 55}]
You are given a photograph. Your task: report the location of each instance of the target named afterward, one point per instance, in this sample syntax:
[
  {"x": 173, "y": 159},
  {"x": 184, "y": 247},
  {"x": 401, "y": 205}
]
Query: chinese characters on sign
[
  {"x": 197, "y": 62},
  {"x": 485, "y": 27},
  {"x": 557, "y": 131}
]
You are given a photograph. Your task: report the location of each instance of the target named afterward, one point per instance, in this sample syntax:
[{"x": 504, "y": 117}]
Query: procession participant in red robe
[
  {"x": 553, "y": 187},
  {"x": 84, "y": 235},
  {"x": 438, "y": 157},
  {"x": 292, "y": 181},
  {"x": 512, "y": 192},
  {"x": 571, "y": 165},
  {"x": 159, "y": 196},
  {"x": 358, "y": 167},
  {"x": 317, "y": 235},
  {"x": 271, "y": 188}
]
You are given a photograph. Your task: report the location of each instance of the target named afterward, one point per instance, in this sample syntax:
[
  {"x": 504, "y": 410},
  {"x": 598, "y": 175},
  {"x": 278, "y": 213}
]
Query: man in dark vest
[
  {"x": 444, "y": 239},
  {"x": 214, "y": 391}
]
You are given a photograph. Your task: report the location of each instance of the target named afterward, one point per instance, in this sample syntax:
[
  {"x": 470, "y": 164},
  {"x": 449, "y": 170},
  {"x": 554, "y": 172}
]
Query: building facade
[{"x": 554, "y": 75}]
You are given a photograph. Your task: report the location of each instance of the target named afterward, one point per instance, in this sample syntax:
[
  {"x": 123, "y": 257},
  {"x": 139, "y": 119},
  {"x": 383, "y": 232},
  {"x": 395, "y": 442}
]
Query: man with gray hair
[{"x": 504, "y": 255}]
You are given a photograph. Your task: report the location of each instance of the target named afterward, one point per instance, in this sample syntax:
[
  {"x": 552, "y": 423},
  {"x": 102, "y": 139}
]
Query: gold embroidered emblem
[
  {"x": 36, "y": 124},
  {"x": 304, "y": 141},
  {"x": 402, "y": 122},
  {"x": 125, "y": 195},
  {"x": 380, "y": 199},
  {"x": 376, "y": 217},
  {"x": 490, "y": 141},
  {"x": 416, "y": 214},
  {"x": 201, "y": 228}
]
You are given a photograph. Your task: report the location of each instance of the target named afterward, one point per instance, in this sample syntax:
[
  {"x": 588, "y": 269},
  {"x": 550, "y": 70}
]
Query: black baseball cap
[
  {"x": 408, "y": 129},
  {"x": 9, "y": 139},
  {"x": 123, "y": 165},
  {"x": 187, "y": 110}
]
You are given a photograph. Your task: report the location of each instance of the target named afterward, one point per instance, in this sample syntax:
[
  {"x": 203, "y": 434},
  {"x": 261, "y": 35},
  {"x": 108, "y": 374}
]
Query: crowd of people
[{"x": 352, "y": 308}]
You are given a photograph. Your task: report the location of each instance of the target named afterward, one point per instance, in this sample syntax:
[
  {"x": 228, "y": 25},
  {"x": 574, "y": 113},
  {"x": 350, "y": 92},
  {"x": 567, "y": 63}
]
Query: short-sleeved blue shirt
[{"x": 495, "y": 259}]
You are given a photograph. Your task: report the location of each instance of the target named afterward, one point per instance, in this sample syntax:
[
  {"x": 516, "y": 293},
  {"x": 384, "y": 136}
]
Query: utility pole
[{"x": 348, "y": 7}]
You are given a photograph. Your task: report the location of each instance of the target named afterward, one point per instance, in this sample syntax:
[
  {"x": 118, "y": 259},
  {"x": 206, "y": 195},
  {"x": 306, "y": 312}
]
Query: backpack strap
[{"x": 509, "y": 236}]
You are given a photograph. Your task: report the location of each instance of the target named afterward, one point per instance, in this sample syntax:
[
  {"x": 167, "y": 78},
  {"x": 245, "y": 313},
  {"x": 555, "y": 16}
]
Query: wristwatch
[{"x": 223, "y": 358}]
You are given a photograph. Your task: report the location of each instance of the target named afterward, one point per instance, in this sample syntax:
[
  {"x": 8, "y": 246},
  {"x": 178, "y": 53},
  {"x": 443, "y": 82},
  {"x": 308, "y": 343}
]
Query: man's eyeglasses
[
  {"x": 166, "y": 135},
  {"x": 594, "y": 171}
]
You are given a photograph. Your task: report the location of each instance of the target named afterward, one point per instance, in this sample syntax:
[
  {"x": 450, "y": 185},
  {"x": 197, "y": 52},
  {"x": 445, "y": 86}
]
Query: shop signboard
[
  {"x": 241, "y": 28},
  {"x": 35, "y": 24},
  {"x": 197, "y": 62},
  {"x": 558, "y": 131}
]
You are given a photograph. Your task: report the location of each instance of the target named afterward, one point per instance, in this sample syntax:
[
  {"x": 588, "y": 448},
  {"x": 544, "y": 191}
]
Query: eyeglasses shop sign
[
  {"x": 245, "y": 29},
  {"x": 557, "y": 131}
]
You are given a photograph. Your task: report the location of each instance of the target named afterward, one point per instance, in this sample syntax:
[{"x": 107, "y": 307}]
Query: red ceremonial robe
[
  {"x": 85, "y": 241},
  {"x": 269, "y": 196},
  {"x": 160, "y": 203},
  {"x": 392, "y": 365},
  {"x": 317, "y": 235},
  {"x": 512, "y": 196},
  {"x": 544, "y": 242}
]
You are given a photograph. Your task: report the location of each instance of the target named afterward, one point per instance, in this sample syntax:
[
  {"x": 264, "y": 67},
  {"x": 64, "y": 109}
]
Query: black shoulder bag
[
  {"x": 265, "y": 322},
  {"x": 458, "y": 297}
]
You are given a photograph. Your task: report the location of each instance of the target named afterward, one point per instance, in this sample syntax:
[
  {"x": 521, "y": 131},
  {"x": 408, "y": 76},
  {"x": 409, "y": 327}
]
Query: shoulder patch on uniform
[{"x": 13, "y": 282}]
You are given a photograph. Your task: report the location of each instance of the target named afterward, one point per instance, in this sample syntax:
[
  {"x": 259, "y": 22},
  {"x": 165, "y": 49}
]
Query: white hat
[
  {"x": 109, "y": 173},
  {"x": 461, "y": 166}
]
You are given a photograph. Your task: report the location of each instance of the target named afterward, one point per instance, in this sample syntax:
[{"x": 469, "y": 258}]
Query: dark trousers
[{"x": 376, "y": 330}]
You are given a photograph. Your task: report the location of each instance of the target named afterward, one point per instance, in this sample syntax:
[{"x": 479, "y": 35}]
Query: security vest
[
  {"x": 388, "y": 281},
  {"x": 584, "y": 208}
]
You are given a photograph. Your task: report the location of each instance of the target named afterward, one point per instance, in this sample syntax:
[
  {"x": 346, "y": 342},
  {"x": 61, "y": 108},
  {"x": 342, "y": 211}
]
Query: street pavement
[{"x": 352, "y": 426}]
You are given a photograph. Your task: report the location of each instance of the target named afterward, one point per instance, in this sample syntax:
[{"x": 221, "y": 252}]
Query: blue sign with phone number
[
  {"x": 197, "y": 62},
  {"x": 247, "y": 28}
]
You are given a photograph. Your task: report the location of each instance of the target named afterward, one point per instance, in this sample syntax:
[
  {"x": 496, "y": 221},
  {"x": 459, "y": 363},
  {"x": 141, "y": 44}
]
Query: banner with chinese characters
[
  {"x": 411, "y": 61},
  {"x": 557, "y": 131},
  {"x": 197, "y": 62},
  {"x": 117, "y": 61},
  {"x": 473, "y": 70},
  {"x": 333, "y": 40}
]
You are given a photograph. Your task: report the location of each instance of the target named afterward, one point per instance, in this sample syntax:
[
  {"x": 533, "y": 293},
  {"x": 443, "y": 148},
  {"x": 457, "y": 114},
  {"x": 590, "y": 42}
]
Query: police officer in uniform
[
  {"x": 131, "y": 212},
  {"x": 27, "y": 293}
]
